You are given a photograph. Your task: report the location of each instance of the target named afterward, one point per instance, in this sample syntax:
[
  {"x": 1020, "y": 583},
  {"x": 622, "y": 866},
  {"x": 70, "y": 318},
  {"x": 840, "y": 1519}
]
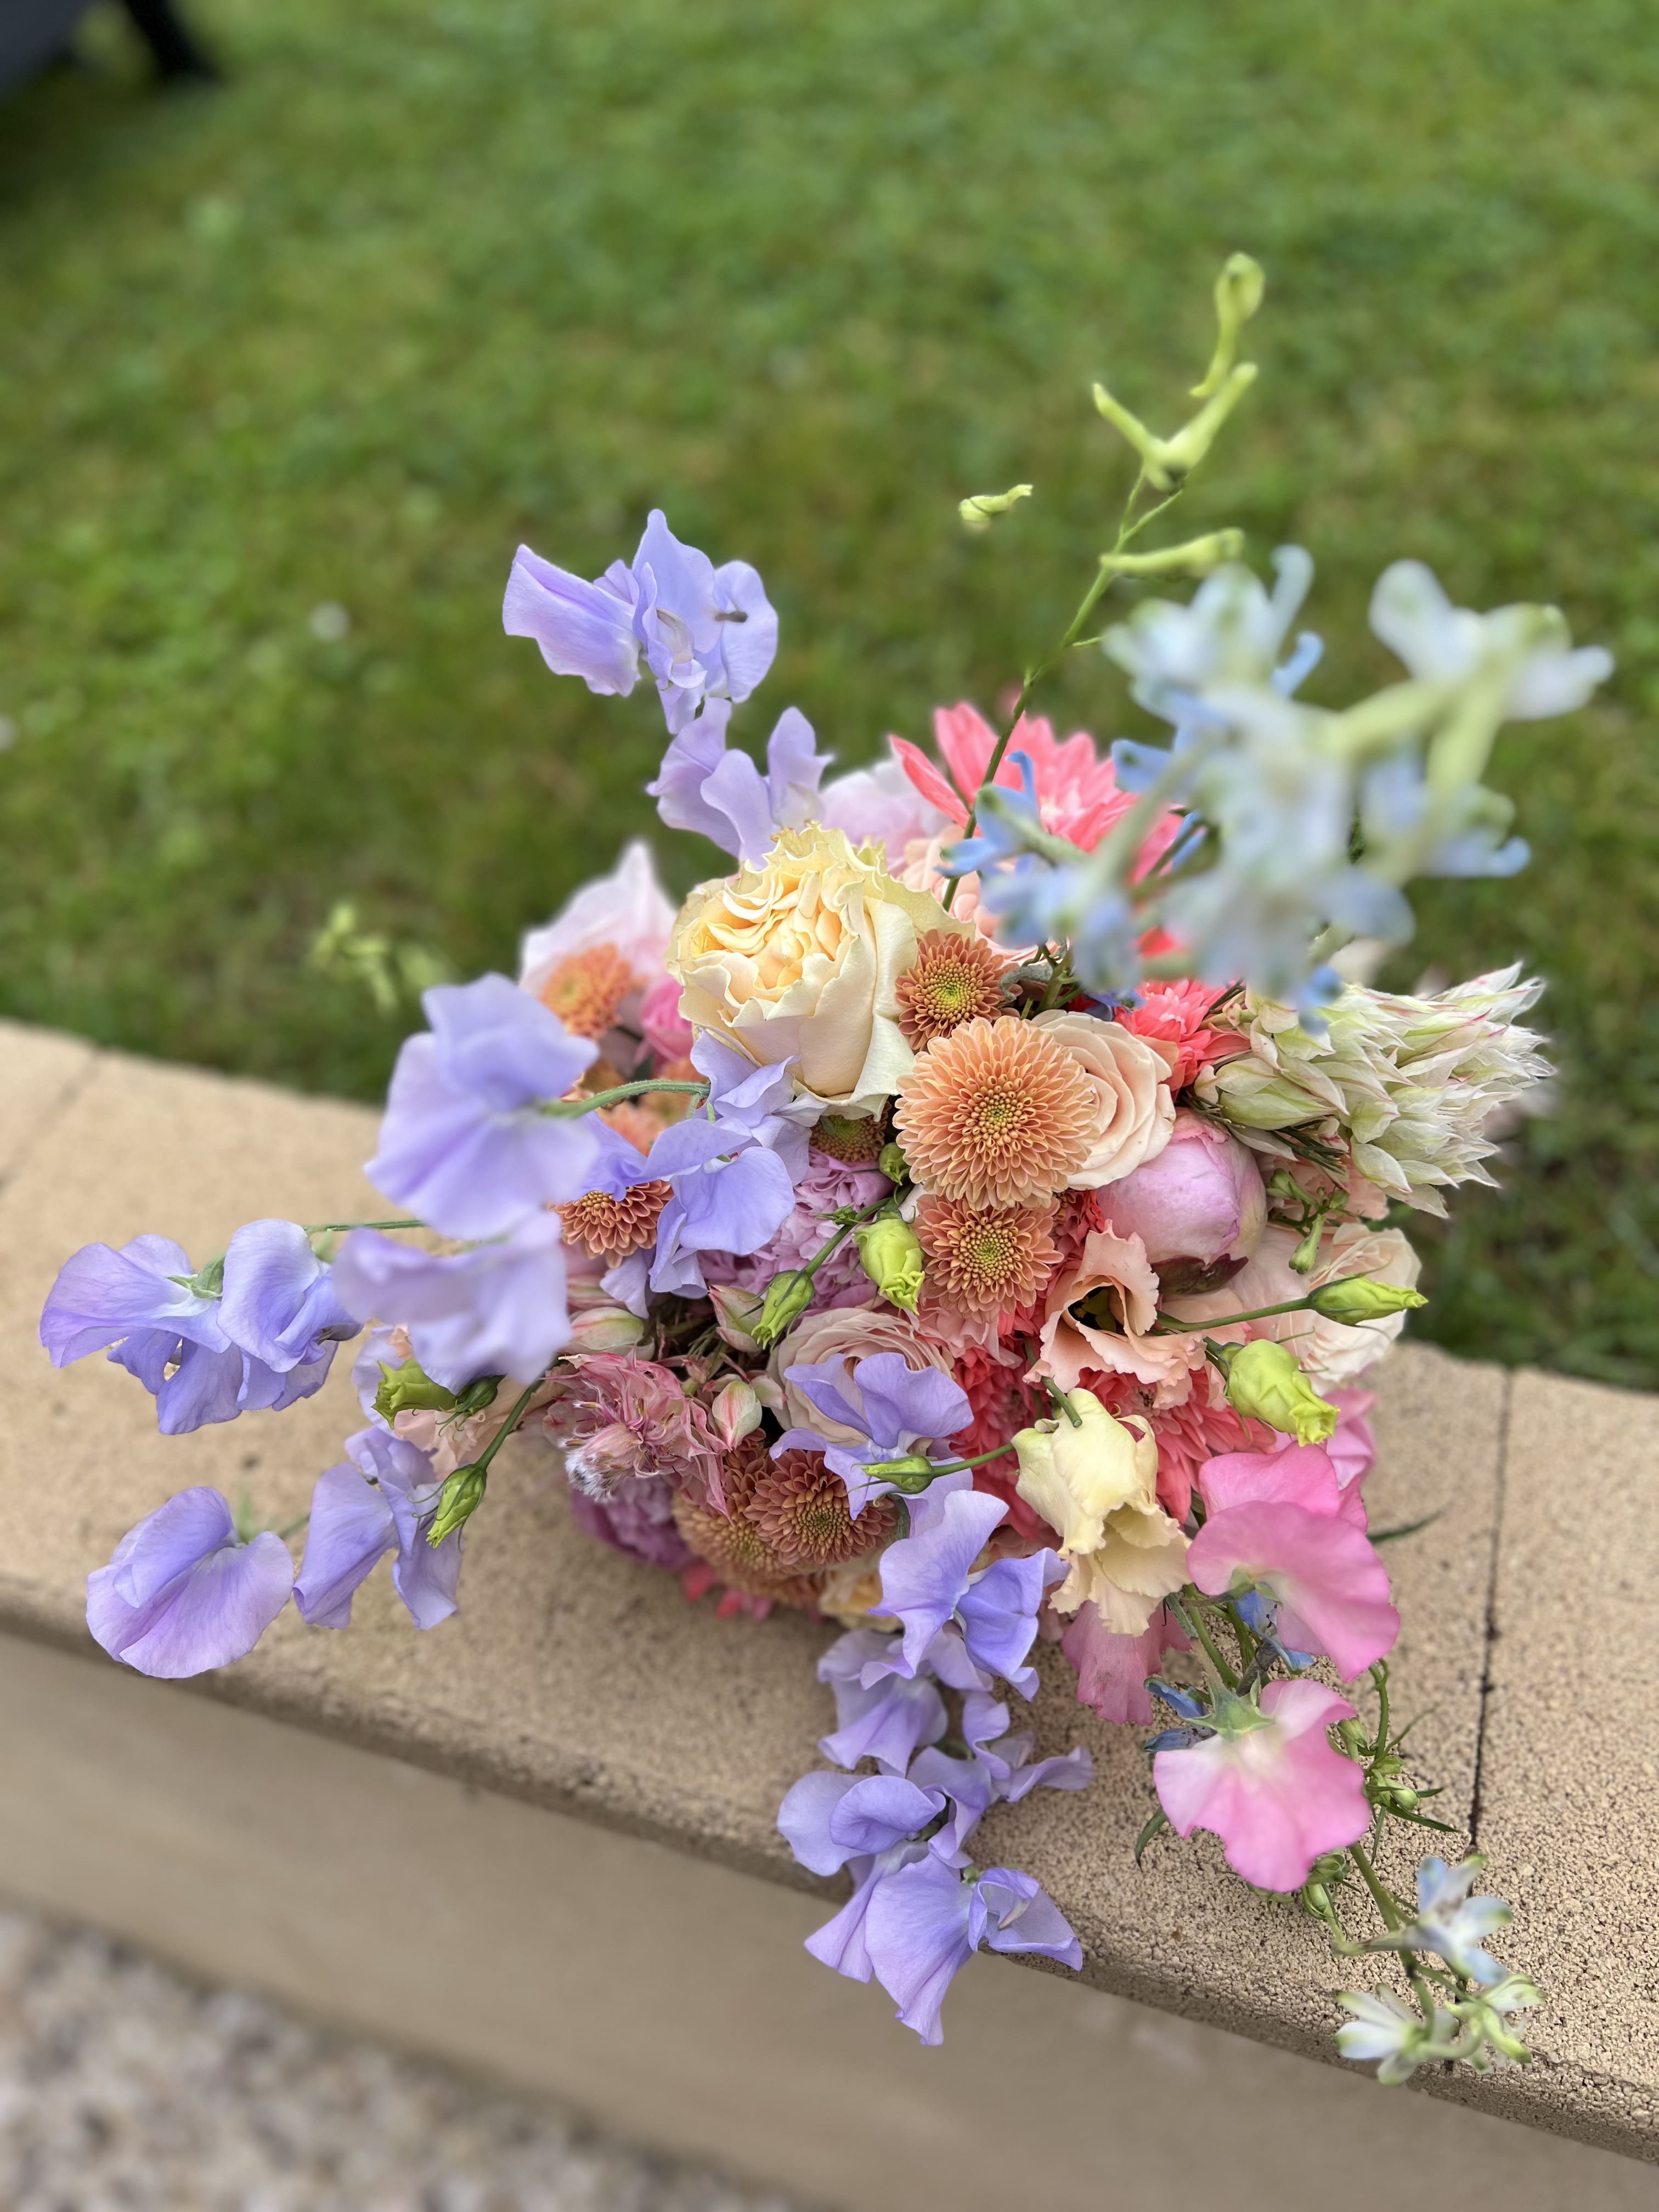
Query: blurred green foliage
[{"x": 425, "y": 279}]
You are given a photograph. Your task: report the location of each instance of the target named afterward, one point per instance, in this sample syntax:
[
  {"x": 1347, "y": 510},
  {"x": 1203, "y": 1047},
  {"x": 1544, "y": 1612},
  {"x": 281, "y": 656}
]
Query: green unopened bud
[
  {"x": 478, "y": 1395},
  {"x": 787, "y": 1297},
  {"x": 892, "y": 1162},
  {"x": 410, "y": 1390},
  {"x": 1238, "y": 292},
  {"x": 891, "y": 1252},
  {"x": 1265, "y": 1383},
  {"x": 1317, "y": 1899},
  {"x": 1399, "y": 1797},
  {"x": 1353, "y": 1735},
  {"x": 1167, "y": 462},
  {"x": 1197, "y": 558},
  {"x": 909, "y": 1474},
  {"x": 976, "y": 513},
  {"x": 1356, "y": 1299},
  {"x": 457, "y": 1501}
]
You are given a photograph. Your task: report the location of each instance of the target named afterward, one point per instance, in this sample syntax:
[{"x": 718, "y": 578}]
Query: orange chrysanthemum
[
  {"x": 952, "y": 980},
  {"x": 996, "y": 1114},
  {"x": 585, "y": 990},
  {"x": 731, "y": 1542},
  {"x": 611, "y": 1228},
  {"x": 980, "y": 1263},
  {"x": 799, "y": 1508}
]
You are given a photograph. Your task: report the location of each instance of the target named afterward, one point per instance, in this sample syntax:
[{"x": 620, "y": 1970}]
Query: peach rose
[
  {"x": 1134, "y": 1112},
  {"x": 1331, "y": 1353},
  {"x": 798, "y": 960}
]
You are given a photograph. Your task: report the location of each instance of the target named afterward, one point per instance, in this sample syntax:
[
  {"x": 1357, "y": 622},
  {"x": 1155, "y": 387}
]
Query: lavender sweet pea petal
[
  {"x": 902, "y": 1403},
  {"x": 880, "y": 1811},
  {"x": 823, "y": 1383},
  {"x": 794, "y": 770},
  {"x": 278, "y": 1300},
  {"x": 583, "y": 629},
  {"x": 1011, "y": 1912},
  {"x": 350, "y": 1530},
  {"x": 998, "y": 1612},
  {"x": 735, "y": 788},
  {"x": 886, "y": 1722},
  {"x": 101, "y": 1295},
  {"x": 971, "y": 1793},
  {"x": 207, "y": 1387},
  {"x": 463, "y": 1143},
  {"x": 916, "y": 1934},
  {"x": 424, "y": 1576},
  {"x": 747, "y": 647},
  {"x": 691, "y": 759},
  {"x": 804, "y": 1821},
  {"x": 181, "y": 1594},
  {"x": 148, "y": 1354},
  {"x": 924, "y": 1575},
  {"x": 738, "y": 1207},
  {"x": 841, "y": 1942},
  {"x": 497, "y": 1310}
]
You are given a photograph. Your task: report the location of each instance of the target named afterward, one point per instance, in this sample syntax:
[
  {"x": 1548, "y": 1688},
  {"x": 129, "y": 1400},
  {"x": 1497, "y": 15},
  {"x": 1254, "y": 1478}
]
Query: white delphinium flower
[
  {"x": 1385, "y": 2028},
  {"x": 1452, "y": 1923},
  {"x": 1412, "y": 1083}
]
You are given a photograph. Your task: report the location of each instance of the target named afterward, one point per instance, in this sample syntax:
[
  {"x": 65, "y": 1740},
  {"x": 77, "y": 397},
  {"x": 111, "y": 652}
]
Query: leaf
[{"x": 1160, "y": 1820}]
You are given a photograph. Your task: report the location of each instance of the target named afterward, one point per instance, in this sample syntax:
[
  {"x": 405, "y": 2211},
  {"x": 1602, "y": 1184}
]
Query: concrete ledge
[{"x": 586, "y": 1687}]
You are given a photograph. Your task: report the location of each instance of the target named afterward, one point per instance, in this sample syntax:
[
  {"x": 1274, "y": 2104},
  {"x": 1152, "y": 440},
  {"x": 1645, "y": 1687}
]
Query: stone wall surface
[{"x": 579, "y": 1683}]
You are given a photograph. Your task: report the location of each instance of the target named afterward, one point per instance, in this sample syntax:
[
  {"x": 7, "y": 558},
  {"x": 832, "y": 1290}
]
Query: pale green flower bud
[
  {"x": 1167, "y": 462},
  {"x": 787, "y": 1296},
  {"x": 605, "y": 1329},
  {"x": 891, "y": 1252},
  {"x": 1356, "y": 1299},
  {"x": 1196, "y": 557},
  {"x": 458, "y": 1500},
  {"x": 892, "y": 1162},
  {"x": 977, "y": 511},
  {"x": 1265, "y": 1383},
  {"x": 734, "y": 1413},
  {"x": 410, "y": 1390},
  {"x": 1238, "y": 292},
  {"x": 910, "y": 1474}
]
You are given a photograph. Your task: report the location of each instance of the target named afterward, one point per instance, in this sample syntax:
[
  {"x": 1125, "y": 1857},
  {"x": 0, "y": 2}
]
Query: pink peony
[
  {"x": 1281, "y": 1521},
  {"x": 1271, "y": 1785},
  {"x": 1200, "y": 1200}
]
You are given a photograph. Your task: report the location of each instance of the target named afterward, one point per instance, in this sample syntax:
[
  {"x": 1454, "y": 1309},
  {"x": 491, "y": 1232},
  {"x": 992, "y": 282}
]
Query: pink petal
[
  {"x": 1324, "y": 1571},
  {"x": 1301, "y": 1475},
  {"x": 966, "y": 742},
  {"x": 927, "y": 779}
]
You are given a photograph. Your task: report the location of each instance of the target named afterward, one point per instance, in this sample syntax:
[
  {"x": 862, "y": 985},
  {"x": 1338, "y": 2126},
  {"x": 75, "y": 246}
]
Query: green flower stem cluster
[
  {"x": 462, "y": 1491},
  {"x": 788, "y": 1294}
]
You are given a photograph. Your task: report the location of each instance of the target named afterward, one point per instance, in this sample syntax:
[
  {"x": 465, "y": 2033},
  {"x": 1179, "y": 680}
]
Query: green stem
[
  {"x": 1380, "y": 1897},
  {"x": 981, "y": 1459},
  {"x": 294, "y": 1526},
  {"x": 568, "y": 1109},
  {"x": 1257, "y": 1313},
  {"x": 326, "y": 1228},
  {"x": 481, "y": 1465},
  {"x": 1194, "y": 1624}
]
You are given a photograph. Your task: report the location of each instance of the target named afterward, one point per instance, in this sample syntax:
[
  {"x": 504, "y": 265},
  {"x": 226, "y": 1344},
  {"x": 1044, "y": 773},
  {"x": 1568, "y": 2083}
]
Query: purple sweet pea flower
[
  {"x": 498, "y": 1309},
  {"x": 887, "y": 1720},
  {"x": 998, "y": 1770},
  {"x": 278, "y": 1301},
  {"x": 828, "y": 1818},
  {"x": 465, "y": 1143},
  {"x": 895, "y": 1406},
  {"x": 966, "y": 1625},
  {"x": 153, "y": 1310},
  {"x": 705, "y": 633},
  {"x": 719, "y": 792},
  {"x": 840, "y": 1943},
  {"x": 184, "y": 1592},
  {"x": 925, "y": 1922},
  {"x": 381, "y": 1498},
  {"x": 732, "y": 1166}
]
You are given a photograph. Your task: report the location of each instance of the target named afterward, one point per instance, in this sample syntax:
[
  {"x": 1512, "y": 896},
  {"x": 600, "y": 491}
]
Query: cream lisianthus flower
[
  {"x": 1095, "y": 1485},
  {"x": 799, "y": 960},
  {"x": 1134, "y": 1112}
]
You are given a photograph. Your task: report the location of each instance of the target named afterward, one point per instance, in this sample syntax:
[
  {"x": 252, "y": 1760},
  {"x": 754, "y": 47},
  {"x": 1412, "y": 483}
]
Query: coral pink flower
[
  {"x": 1271, "y": 1785},
  {"x": 1077, "y": 791},
  {"x": 1100, "y": 1314},
  {"x": 1281, "y": 1521},
  {"x": 1196, "y": 1431},
  {"x": 1112, "y": 1670},
  {"x": 1173, "y": 1018}
]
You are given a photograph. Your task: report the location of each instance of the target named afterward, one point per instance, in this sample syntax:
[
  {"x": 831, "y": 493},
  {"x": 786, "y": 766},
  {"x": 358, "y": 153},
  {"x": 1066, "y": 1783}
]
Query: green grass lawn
[{"x": 425, "y": 280}]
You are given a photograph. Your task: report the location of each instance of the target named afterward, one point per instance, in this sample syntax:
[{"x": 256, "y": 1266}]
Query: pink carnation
[
  {"x": 622, "y": 1416},
  {"x": 1175, "y": 1018},
  {"x": 1112, "y": 1670},
  {"x": 1280, "y": 1521},
  {"x": 1275, "y": 1791}
]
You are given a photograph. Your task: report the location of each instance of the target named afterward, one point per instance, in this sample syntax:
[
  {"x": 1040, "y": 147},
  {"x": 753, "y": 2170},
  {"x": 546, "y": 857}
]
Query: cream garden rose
[
  {"x": 798, "y": 959},
  {"x": 1134, "y": 1113}
]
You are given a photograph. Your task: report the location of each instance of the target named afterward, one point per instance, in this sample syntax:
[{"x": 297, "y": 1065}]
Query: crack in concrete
[{"x": 1491, "y": 1633}]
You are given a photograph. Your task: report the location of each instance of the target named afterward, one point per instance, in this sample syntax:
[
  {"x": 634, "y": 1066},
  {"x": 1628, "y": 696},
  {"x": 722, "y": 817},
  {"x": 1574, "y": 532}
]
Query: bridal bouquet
[{"x": 968, "y": 1220}]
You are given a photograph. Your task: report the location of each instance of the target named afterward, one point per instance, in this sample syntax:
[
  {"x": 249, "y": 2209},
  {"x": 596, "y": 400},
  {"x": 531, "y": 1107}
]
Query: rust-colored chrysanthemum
[
  {"x": 611, "y": 1228},
  {"x": 799, "y": 1508},
  {"x": 981, "y": 1262},
  {"x": 852, "y": 1140},
  {"x": 996, "y": 1114},
  {"x": 731, "y": 1541},
  {"x": 952, "y": 980},
  {"x": 585, "y": 990}
]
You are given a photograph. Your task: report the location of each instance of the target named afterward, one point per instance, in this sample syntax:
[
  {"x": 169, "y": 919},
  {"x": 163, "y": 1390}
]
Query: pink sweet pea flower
[
  {"x": 1281, "y": 1522},
  {"x": 1269, "y": 1783}
]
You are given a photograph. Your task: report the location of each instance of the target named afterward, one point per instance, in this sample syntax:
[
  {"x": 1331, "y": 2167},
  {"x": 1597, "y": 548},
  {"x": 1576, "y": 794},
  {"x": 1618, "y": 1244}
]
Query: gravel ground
[{"x": 123, "y": 2087}]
